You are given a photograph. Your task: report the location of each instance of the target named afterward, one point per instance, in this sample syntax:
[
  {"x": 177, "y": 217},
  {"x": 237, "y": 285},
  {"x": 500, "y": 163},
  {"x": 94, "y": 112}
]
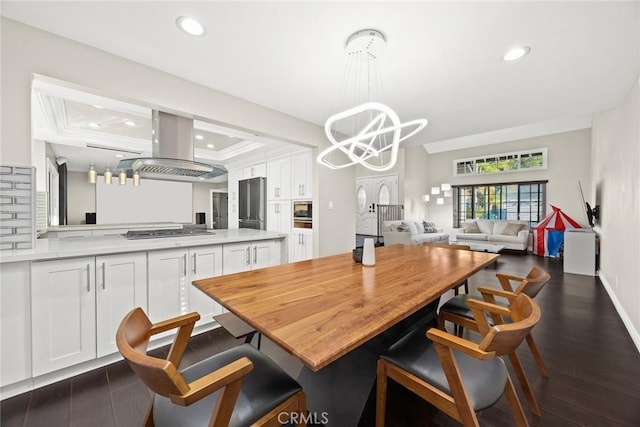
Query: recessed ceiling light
[
  {"x": 199, "y": 137},
  {"x": 209, "y": 145},
  {"x": 516, "y": 53},
  {"x": 190, "y": 26},
  {"x": 94, "y": 125},
  {"x": 99, "y": 107},
  {"x": 120, "y": 156},
  {"x": 130, "y": 123}
]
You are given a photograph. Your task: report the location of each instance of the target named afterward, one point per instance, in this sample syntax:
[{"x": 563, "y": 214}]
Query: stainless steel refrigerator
[{"x": 253, "y": 203}]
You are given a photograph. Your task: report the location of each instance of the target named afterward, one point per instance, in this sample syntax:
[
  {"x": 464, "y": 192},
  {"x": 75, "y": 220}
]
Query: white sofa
[
  {"x": 510, "y": 233},
  {"x": 410, "y": 232}
]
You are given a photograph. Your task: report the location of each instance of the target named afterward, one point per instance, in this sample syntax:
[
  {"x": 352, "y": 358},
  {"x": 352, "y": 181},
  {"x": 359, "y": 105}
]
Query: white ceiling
[{"x": 442, "y": 60}]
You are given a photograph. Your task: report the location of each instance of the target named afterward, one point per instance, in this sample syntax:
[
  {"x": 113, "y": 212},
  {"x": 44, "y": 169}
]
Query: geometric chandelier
[{"x": 370, "y": 133}]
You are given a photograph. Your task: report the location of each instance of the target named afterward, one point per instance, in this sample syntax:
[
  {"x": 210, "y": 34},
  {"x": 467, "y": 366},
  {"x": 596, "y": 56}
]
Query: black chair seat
[
  {"x": 458, "y": 306},
  {"x": 484, "y": 379},
  {"x": 264, "y": 388}
]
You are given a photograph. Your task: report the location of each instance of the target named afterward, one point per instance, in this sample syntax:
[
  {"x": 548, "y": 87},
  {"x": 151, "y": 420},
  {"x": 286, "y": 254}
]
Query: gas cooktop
[{"x": 171, "y": 232}]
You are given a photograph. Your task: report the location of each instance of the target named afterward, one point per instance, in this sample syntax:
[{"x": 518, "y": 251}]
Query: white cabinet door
[
  {"x": 238, "y": 257},
  {"x": 265, "y": 253},
  {"x": 168, "y": 284},
  {"x": 121, "y": 285},
  {"x": 279, "y": 216},
  {"x": 302, "y": 175},
  {"x": 206, "y": 261},
  {"x": 279, "y": 179},
  {"x": 63, "y": 313},
  {"x": 301, "y": 245},
  {"x": 253, "y": 171},
  {"x": 15, "y": 322}
]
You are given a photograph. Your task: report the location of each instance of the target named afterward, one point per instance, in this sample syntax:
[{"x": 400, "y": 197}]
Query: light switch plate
[{"x": 330, "y": 204}]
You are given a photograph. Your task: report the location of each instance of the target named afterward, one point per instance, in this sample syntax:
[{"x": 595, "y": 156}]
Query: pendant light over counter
[{"x": 92, "y": 176}]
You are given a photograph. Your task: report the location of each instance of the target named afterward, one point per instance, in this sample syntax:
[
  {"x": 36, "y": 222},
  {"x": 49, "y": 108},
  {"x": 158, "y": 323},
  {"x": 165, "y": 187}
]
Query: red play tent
[{"x": 548, "y": 235}]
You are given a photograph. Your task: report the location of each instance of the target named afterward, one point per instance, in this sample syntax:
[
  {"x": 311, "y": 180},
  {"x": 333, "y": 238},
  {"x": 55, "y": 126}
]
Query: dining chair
[
  {"x": 237, "y": 387},
  {"x": 457, "y": 312},
  {"x": 458, "y": 376},
  {"x": 456, "y": 289}
]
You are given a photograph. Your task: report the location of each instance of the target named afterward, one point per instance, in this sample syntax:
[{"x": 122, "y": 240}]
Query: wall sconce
[
  {"x": 435, "y": 190},
  {"x": 136, "y": 179},
  {"x": 107, "y": 176},
  {"x": 93, "y": 174},
  {"x": 122, "y": 177}
]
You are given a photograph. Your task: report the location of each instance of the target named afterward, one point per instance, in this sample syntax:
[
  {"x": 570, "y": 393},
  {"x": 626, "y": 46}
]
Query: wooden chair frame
[
  {"x": 530, "y": 285},
  {"x": 162, "y": 376},
  {"x": 497, "y": 340}
]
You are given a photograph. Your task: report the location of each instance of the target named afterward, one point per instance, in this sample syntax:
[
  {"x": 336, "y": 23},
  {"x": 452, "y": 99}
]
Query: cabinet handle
[
  {"x": 255, "y": 254},
  {"x": 195, "y": 267},
  {"x": 299, "y": 189},
  {"x": 184, "y": 265},
  {"x": 277, "y": 191},
  {"x": 248, "y": 255},
  {"x": 302, "y": 194},
  {"x": 104, "y": 280},
  {"x": 88, "y": 278}
]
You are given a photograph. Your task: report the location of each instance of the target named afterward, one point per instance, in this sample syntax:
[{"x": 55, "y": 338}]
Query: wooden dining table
[{"x": 322, "y": 310}]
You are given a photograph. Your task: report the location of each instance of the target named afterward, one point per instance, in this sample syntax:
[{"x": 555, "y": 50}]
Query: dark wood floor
[{"x": 594, "y": 370}]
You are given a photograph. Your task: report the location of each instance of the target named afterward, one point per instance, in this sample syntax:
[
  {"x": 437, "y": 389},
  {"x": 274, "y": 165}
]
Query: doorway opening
[{"x": 219, "y": 203}]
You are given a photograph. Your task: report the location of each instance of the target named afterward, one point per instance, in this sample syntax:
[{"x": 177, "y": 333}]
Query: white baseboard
[{"x": 635, "y": 335}]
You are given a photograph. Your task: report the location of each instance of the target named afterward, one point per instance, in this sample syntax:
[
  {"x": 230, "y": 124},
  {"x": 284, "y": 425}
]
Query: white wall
[
  {"x": 568, "y": 159},
  {"x": 616, "y": 175},
  {"x": 81, "y": 197},
  {"x": 202, "y": 198},
  {"x": 26, "y": 50},
  {"x": 415, "y": 182}
]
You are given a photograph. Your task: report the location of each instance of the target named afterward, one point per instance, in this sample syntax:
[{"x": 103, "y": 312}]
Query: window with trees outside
[
  {"x": 499, "y": 163},
  {"x": 522, "y": 201}
]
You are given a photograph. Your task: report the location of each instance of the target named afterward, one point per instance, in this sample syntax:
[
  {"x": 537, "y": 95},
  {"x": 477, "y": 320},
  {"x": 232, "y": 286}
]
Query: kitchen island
[{"x": 61, "y": 301}]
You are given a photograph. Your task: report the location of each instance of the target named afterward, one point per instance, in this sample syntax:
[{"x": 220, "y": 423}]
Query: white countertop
[
  {"x": 46, "y": 249},
  {"x": 129, "y": 226}
]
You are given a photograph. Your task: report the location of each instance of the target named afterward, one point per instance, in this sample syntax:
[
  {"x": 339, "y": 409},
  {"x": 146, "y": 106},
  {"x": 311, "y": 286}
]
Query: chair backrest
[
  {"x": 534, "y": 282},
  {"x": 505, "y": 338},
  {"x": 132, "y": 339}
]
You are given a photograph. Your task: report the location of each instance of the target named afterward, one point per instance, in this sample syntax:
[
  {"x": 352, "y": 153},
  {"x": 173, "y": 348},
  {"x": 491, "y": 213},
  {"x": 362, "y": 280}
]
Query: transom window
[
  {"x": 499, "y": 163},
  {"x": 523, "y": 201}
]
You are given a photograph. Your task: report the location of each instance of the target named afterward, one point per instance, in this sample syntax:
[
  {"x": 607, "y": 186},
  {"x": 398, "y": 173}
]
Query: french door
[{"x": 370, "y": 192}]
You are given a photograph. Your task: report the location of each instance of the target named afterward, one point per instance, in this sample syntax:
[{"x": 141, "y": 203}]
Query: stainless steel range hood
[{"x": 172, "y": 151}]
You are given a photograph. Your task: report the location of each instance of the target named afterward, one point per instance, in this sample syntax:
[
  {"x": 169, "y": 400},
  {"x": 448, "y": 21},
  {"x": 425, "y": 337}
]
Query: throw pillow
[
  {"x": 512, "y": 229},
  {"x": 470, "y": 227},
  {"x": 402, "y": 227},
  {"x": 411, "y": 226},
  {"x": 429, "y": 227}
]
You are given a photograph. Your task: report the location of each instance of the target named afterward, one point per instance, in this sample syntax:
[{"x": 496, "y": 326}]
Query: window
[
  {"x": 499, "y": 163},
  {"x": 523, "y": 201}
]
